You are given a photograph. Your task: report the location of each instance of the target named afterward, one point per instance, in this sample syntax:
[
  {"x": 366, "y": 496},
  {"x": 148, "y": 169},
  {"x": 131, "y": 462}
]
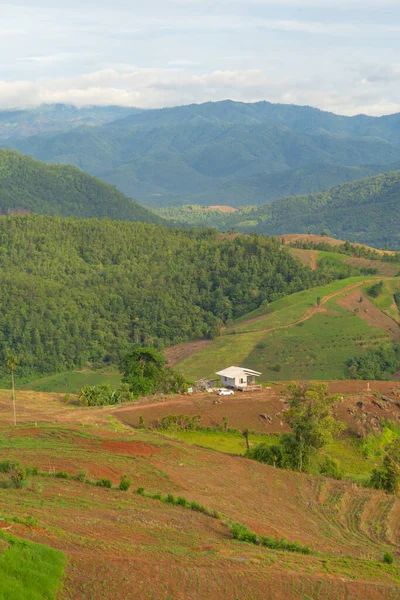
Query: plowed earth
[{"x": 123, "y": 546}]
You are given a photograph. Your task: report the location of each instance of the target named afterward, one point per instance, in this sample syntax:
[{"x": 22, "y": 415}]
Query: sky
[{"x": 338, "y": 55}]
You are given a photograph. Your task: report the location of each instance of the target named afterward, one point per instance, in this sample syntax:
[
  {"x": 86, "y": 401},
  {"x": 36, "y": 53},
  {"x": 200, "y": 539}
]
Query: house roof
[{"x": 233, "y": 372}]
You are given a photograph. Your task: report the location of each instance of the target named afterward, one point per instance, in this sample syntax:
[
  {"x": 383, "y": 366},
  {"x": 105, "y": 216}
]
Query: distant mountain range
[
  {"x": 29, "y": 186},
  {"x": 54, "y": 118},
  {"x": 219, "y": 153}
]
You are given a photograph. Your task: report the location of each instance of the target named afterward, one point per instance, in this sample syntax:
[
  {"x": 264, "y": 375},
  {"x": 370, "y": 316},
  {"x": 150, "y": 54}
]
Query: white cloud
[{"x": 153, "y": 88}]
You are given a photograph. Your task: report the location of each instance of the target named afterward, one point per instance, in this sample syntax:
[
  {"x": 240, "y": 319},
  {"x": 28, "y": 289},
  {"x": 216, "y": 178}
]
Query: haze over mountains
[{"x": 225, "y": 152}]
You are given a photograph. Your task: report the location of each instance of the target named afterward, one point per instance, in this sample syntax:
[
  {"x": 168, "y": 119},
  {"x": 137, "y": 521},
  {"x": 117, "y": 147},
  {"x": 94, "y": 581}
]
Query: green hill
[
  {"x": 27, "y": 185},
  {"x": 364, "y": 211},
  {"x": 76, "y": 293},
  {"x": 225, "y": 152},
  {"x": 313, "y": 334}
]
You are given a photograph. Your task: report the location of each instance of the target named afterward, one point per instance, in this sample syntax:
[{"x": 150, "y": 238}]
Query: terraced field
[{"x": 130, "y": 546}]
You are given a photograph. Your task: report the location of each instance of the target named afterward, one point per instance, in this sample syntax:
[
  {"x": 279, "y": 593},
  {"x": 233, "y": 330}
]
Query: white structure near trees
[{"x": 239, "y": 378}]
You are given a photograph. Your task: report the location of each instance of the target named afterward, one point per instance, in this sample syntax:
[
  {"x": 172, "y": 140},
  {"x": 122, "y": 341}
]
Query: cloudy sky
[{"x": 339, "y": 55}]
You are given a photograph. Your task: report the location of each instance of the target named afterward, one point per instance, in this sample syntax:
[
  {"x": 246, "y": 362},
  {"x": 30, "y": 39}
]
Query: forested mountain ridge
[
  {"x": 52, "y": 118},
  {"x": 27, "y": 185},
  {"x": 76, "y": 292},
  {"x": 225, "y": 152},
  {"x": 365, "y": 211}
]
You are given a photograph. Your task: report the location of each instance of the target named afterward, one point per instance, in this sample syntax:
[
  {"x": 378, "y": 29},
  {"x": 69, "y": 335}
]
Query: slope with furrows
[{"x": 118, "y": 541}]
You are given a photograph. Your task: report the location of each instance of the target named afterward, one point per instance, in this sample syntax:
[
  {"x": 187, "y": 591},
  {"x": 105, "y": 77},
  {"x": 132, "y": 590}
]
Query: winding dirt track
[{"x": 310, "y": 313}]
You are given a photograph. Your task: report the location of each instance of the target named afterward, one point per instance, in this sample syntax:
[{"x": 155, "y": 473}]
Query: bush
[
  {"x": 375, "y": 289},
  {"x": 61, "y": 475},
  {"x": 5, "y": 466},
  {"x": 17, "y": 476},
  {"x": 267, "y": 454},
  {"x": 331, "y": 468},
  {"x": 388, "y": 558},
  {"x": 125, "y": 483},
  {"x": 106, "y": 483}
]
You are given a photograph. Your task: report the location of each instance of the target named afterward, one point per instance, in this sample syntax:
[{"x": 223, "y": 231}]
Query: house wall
[{"x": 229, "y": 382}]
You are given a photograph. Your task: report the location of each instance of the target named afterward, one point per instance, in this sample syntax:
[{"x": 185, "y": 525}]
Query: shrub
[
  {"x": 140, "y": 491},
  {"x": 331, "y": 468},
  {"x": 5, "y": 466},
  {"x": 17, "y": 476},
  {"x": 388, "y": 558},
  {"x": 124, "y": 483},
  {"x": 61, "y": 475},
  {"x": 375, "y": 289},
  {"x": 106, "y": 483},
  {"x": 265, "y": 453}
]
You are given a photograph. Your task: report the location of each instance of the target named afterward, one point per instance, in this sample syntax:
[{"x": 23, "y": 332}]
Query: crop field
[
  {"x": 308, "y": 335},
  {"x": 127, "y": 545}
]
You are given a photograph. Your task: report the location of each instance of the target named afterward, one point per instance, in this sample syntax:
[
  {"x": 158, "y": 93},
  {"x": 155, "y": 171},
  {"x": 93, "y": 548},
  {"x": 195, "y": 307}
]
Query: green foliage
[
  {"x": 17, "y": 476},
  {"x": 311, "y": 420},
  {"x": 241, "y": 533},
  {"x": 330, "y": 467},
  {"x": 29, "y": 186},
  {"x": 180, "y": 501},
  {"x": 125, "y": 483},
  {"x": 29, "y": 571},
  {"x": 106, "y": 483},
  {"x": 268, "y": 454},
  {"x": 89, "y": 291},
  {"x": 363, "y": 211},
  {"x": 388, "y": 558},
  {"x": 387, "y": 477},
  {"x": 375, "y": 289},
  {"x": 378, "y": 363},
  {"x": 102, "y": 395}
]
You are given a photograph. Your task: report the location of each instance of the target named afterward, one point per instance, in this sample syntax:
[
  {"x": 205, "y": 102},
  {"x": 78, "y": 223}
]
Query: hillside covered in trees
[
  {"x": 27, "y": 185},
  {"x": 365, "y": 211},
  {"x": 225, "y": 152},
  {"x": 78, "y": 292}
]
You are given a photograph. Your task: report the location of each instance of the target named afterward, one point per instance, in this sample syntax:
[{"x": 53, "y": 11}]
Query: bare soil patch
[
  {"x": 120, "y": 447},
  {"x": 221, "y": 208},
  {"x": 367, "y": 311},
  {"x": 175, "y": 354}
]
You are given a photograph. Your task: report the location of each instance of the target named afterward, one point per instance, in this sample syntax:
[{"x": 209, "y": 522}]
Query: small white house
[{"x": 238, "y": 378}]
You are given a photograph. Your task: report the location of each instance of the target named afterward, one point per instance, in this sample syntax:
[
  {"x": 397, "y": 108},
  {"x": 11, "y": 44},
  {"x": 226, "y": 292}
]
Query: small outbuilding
[{"x": 239, "y": 378}]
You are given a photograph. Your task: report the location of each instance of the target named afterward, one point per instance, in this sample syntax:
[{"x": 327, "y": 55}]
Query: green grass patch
[
  {"x": 71, "y": 382},
  {"x": 29, "y": 571},
  {"x": 230, "y": 443}
]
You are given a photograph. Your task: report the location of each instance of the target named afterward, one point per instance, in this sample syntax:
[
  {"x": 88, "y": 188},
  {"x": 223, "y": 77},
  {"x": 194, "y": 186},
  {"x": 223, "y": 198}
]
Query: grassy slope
[
  {"x": 28, "y": 571},
  {"x": 71, "y": 382},
  {"x": 317, "y": 348}
]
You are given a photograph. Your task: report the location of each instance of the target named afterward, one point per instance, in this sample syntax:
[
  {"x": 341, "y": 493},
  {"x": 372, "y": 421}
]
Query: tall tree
[
  {"x": 12, "y": 363},
  {"x": 312, "y": 422}
]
